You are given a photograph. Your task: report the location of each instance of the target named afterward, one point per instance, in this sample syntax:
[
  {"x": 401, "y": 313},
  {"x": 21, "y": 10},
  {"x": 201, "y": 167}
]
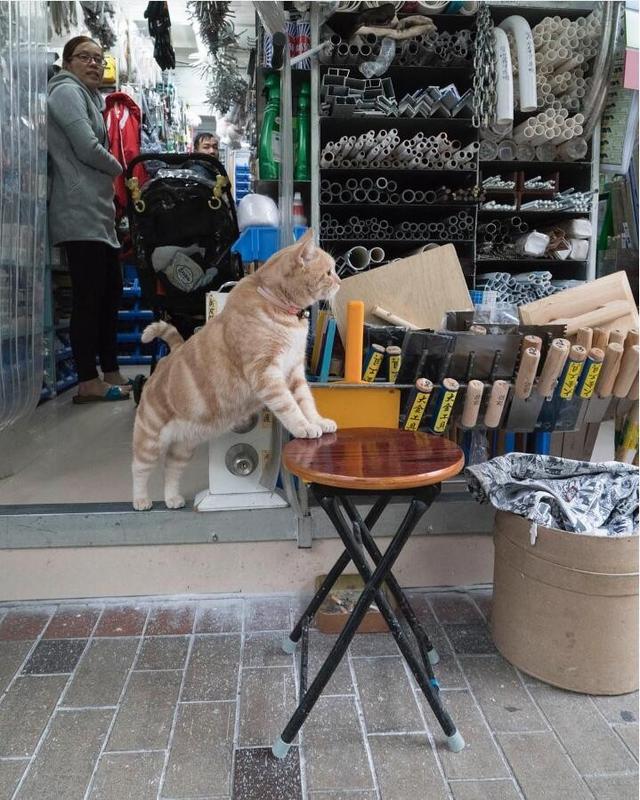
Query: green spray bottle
[
  {"x": 269, "y": 147},
  {"x": 303, "y": 135}
]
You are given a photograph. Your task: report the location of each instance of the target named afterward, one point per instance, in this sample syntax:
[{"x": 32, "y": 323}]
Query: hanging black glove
[{"x": 157, "y": 14}]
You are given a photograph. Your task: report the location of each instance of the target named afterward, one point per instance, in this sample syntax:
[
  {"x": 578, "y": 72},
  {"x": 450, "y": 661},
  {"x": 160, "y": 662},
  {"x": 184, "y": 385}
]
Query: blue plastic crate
[{"x": 260, "y": 243}]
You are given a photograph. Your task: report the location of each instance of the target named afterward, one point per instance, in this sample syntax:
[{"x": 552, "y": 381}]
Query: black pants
[{"x": 96, "y": 282}]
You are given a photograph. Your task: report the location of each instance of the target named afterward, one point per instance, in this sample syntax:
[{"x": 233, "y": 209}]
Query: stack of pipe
[
  {"x": 386, "y": 150},
  {"x": 363, "y": 191},
  {"x": 563, "y": 49},
  {"x": 455, "y": 227}
]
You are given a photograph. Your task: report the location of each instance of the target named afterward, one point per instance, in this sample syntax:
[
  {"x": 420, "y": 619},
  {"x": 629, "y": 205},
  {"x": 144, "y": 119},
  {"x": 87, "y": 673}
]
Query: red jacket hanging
[{"x": 122, "y": 118}]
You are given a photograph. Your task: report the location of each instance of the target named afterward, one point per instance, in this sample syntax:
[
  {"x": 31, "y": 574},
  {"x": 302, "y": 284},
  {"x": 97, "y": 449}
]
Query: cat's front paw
[
  {"x": 308, "y": 430},
  {"x": 175, "y": 501},
  {"x": 328, "y": 425},
  {"x": 142, "y": 503}
]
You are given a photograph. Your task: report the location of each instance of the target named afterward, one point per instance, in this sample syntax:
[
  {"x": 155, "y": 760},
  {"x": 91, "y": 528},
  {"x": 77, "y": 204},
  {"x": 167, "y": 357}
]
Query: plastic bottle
[
  {"x": 269, "y": 147},
  {"x": 302, "y": 170},
  {"x": 299, "y": 218}
]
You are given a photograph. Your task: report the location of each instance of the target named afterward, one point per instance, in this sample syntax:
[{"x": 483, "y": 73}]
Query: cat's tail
[{"x": 164, "y": 331}]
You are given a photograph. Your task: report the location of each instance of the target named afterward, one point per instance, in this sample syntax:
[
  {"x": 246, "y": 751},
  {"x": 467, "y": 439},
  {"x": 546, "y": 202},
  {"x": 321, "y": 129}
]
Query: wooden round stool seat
[{"x": 373, "y": 458}]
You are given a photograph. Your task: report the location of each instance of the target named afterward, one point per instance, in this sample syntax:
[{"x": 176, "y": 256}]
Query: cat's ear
[{"x": 306, "y": 249}]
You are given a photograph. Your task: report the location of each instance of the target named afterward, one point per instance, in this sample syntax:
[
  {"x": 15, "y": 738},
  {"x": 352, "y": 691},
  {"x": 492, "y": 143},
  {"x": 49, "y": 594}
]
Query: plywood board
[
  {"x": 584, "y": 299},
  {"x": 420, "y": 289}
]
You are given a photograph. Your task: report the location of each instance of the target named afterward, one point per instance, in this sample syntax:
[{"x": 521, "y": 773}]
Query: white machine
[{"x": 238, "y": 459}]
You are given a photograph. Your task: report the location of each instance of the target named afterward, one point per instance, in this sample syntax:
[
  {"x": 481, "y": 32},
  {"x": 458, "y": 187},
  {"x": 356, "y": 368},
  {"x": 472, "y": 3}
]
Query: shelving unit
[{"x": 132, "y": 320}]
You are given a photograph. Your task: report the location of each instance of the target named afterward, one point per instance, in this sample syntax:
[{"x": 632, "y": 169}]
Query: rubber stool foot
[
  {"x": 433, "y": 656},
  {"x": 281, "y": 748},
  {"x": 455, "y": 742},
  {"x": 288, "y": 645}
]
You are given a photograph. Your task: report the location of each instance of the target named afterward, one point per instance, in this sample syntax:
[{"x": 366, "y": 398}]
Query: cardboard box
[
  {"x": 334, "y": 612},
  {"x": 565, "y": 610}
]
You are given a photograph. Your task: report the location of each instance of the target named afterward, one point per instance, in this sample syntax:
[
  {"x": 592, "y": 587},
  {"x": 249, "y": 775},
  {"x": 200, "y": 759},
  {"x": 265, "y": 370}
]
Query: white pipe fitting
[{"x": 504, "y": 78}]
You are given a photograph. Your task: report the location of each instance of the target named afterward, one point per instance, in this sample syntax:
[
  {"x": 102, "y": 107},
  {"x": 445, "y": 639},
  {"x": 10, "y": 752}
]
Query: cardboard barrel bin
[{"x": 565, "y": 610}]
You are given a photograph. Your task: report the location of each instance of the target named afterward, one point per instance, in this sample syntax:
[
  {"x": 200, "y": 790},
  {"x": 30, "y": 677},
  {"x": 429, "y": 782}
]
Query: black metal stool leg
[
  {"x": 427, "y": 650},
  {"x": 420, "y": 672},
  {"x": 330, "y": 505},
  {"x": 289, "y": 642}
]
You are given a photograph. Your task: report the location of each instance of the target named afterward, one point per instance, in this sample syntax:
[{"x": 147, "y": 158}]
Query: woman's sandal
[{"x": 113, "y": 395}]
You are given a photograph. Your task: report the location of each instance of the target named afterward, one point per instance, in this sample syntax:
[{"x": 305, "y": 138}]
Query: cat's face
[{"x": 305, "y": 272}]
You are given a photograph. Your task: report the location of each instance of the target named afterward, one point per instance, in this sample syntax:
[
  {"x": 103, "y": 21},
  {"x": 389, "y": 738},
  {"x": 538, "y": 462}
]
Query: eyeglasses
[{"x": 87, "y": 58}]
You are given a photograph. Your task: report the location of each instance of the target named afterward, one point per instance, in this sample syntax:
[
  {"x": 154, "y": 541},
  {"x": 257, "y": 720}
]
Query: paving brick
[
  {"x": 200, "y": 762},
  {"x": 484, "y": 790},
  {"x": 320, "y": 645},
  {"x": 122, "y": 621},
  {"x": 454, "y": 607},
  {"x": 267, "y": 614},
  {"x": 619, "y": 708},
  {"x": 629, "y": 735},
  {"x": 614, "y": 787},
  {"x": 53, "y": 656},
  {"x": 484, "y": 600},
  {"x": 588, "y": 739},
  {"x": 471, "y": 639},
  {"x": 212, "y": 671},
  {"x": 171, "y": 620},
  {"x": 221, "y": 616},
  {"x": 267, "y": 701},
  {"x": 127, "y": 776},
  {"x": 542, "y": 768},
  {"x": 10, "y": 774},
  {"x": 101, "y": 674},
  {"x": 67, "y": 755},
  {"x": 503, "y": 699},
  {"x": 370, "y": 645},
  {"x": 260, "y": 776},
  {"x": 31, "y": 699},
  {"x": 387, "y": 699},
  {"x": 265, "y": 650},
  {"x": 12, "y": 656},
  {"x": 406, "y": 768},
  {"x": 72, "y": 622},
  {"x": 163, "y": 652},
  {"x": 25, "y": 624},
  {"x": 343, "y": 796},
  {"x": 480, "y": 758},
  {"x": 335, "y": 754},
  {"x": 146, "y": 713}
]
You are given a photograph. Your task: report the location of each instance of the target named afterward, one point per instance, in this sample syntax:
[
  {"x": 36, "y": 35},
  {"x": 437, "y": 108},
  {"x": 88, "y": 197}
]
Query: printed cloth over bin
[{"x": 598, "y": 499}]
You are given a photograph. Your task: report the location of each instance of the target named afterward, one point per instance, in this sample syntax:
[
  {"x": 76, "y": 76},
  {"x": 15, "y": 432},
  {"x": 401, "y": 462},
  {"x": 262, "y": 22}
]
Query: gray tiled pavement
[{"x": 177, "y": 701}]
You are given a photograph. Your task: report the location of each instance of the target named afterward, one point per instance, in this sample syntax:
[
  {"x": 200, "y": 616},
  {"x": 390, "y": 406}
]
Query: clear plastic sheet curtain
[{"x": 23, "y": 197}]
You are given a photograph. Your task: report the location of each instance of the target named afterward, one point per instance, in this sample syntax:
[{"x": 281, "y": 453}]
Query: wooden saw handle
[
  {"x": 553, "y": 366},
  {"x": 527, "y": 373},
  {"x": 633, "y": 337},
  {"x": 531, "y": 341},
  {"x": 617, "y": 336},
  {"x": 610, "y": 366},
  {"x": 600, "y": 339},
  {"x": 628, "y": 371},
  {"x": 599, "y": 316},
  {"x": 393, "y": 319},
  {"x": 472, "y": 403},
  {"x": 584, "y": 338},
  {"x": 497, "y": 399}
]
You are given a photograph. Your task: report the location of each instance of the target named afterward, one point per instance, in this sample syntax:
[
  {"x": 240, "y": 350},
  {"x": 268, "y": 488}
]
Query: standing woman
[{"x": 82, "y": 216}]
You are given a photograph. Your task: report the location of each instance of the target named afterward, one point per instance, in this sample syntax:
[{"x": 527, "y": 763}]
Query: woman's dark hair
[{"x": 70, "y": 47}]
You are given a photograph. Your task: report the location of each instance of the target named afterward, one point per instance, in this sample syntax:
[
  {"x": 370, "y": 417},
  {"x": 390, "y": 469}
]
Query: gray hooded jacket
[{"x": 81, "y": 168}]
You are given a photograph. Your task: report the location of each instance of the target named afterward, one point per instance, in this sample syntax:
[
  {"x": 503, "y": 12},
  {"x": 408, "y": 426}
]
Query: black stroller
[{"x": 182, "y": 222}]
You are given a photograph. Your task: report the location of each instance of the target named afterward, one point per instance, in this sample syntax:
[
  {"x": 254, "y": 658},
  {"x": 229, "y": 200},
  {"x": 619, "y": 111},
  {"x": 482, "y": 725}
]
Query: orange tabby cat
[{"x": 249, "y": 356}]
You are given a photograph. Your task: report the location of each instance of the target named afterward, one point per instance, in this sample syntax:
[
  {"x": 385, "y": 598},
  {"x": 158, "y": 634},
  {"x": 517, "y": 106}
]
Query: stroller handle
[{"x": 176, "y": 159}]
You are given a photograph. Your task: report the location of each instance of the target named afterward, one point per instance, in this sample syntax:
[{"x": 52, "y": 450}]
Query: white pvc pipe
[{"x": 504, "y": 78}]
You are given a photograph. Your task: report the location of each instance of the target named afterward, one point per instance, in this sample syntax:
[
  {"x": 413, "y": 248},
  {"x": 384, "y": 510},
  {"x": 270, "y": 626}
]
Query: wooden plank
[
  {"x": 583, "y": 300},
  {"x": 420, "y": 289}
]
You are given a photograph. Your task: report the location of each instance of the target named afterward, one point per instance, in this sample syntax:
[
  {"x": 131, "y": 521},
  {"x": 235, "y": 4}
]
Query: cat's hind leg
[
  {"x": 178, "y": 456},
  {"x": 145, "y": 457}
]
